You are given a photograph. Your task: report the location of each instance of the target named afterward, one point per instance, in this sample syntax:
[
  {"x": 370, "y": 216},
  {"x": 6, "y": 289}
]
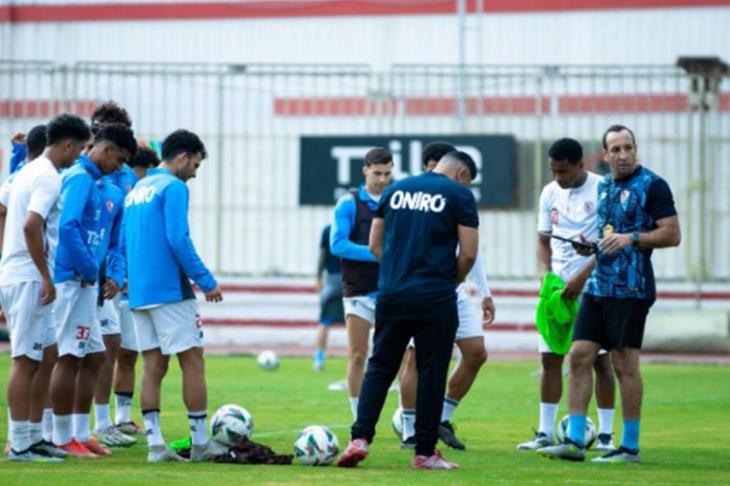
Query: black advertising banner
[{"x": 330, "y": 166}]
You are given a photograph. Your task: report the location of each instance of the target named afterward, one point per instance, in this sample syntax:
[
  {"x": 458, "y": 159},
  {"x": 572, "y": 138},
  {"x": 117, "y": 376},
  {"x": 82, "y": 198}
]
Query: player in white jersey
[
  {"x": 469, "y": 338},
  {"x": 26, "y": 280},
  {"x": 568, "y": 209}
]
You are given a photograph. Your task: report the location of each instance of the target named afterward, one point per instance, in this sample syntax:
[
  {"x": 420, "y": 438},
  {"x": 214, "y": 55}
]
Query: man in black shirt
[{"x": 418, "y": 224}]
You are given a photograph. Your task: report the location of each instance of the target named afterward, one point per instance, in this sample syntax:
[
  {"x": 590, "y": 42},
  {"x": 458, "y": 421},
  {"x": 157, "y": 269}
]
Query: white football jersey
[
  {"x": 36, "y": 187},
  {"x": 570, "y": 213}
]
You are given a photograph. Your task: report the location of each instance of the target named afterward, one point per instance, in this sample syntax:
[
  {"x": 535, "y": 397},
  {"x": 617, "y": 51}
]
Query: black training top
[{"x": 418, "y": 264}]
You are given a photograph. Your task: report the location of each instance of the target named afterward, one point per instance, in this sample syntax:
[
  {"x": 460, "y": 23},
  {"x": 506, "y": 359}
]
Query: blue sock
[
  {"x": 577, "y": 429},
  {"x": 319, "y": 356},
  {"x": 630, "y": 439}
]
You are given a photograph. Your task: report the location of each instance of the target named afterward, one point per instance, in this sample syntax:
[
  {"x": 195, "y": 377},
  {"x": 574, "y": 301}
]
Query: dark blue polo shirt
[{"x": 418, "y": 264}]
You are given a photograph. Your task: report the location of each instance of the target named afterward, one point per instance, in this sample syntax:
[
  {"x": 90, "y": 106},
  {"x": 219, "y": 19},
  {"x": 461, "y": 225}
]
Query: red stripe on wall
[
  {"x": 44, "y": 108},
  {"x": 646, "y": 103},
  {"x": 494, "y": 105},
  {"x": 289, "y": 9}
]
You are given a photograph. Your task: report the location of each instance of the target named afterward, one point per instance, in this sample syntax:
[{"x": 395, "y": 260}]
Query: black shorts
[{"x": 612, "y": 322}]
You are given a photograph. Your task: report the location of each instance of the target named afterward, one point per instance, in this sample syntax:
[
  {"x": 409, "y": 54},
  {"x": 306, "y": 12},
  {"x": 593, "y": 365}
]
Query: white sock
[
  {"x": 548, "y": 413},
  {"x": 10, "y": 428},
  {"x": 152, "y": 428},
  {"x": 36, "y": 432},
  {"x": 82, "y": 429},
  {"x": 605, "y": 420},
  {"x": 123, "y": 406},
  {"x": 62, "y": 431},
  {"x": 20, "y": 435},
  {"x": 353, "y": 407},
  {"x": 103, "y": 416},
  {"x": 449, "y": 408},
  {"x": 409, "y": 422},
  {"x": 48, "y": 424},
  {"x": 198, "y": 431}
]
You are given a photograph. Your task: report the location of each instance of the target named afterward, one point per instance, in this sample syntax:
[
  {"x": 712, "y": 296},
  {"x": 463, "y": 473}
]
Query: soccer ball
[
  {"x": 316, "y": 445},
  {"x": 268, "y": 360},
  {"x": 590, "y": 436},
  {"x": 230, "y": 424},
  {"x": 397, "y": 422}
]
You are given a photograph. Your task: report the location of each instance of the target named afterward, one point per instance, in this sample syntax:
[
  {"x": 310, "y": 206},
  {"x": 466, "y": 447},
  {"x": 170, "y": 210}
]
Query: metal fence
[{"x": 246, "y": 217}]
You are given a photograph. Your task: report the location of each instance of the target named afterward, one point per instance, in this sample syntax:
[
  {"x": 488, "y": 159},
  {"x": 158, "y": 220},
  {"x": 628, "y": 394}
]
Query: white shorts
[
  {"x": 126, "y": 323},
  {"x": 173, "y": 328},
  {"x": 30, "y": 324},
  {"x": 470, "y": 319},
  {"x": 77, "y": 327},
  {"x": 543, "y": 346},
  {"x": 108, "y": 318},
  {"x": 362, "y": 306}
]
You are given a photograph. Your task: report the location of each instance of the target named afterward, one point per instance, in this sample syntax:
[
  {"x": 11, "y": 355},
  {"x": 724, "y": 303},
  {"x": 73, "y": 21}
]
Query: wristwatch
[{"x": 635, "y": 238}]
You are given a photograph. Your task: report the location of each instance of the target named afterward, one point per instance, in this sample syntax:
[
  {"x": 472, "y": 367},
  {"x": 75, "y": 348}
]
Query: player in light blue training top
[
  {"x": 81, "y": 231},
  {"x": 161, "y": 261}
]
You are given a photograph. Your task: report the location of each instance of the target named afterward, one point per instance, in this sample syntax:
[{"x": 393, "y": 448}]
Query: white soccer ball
[
  {"x": 230, "y": 423},
  {"x": 316, "y": 445},
  {"x": 397, "y": 422},
  {"x": 590, "y": 436},
  {"x": 268, "y": 360}
]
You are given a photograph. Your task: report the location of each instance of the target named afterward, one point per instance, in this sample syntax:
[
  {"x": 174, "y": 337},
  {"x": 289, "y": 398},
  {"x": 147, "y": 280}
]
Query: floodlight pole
[
  {"x": 705, "y": 75},
  {"x": 461, "y": 75}
]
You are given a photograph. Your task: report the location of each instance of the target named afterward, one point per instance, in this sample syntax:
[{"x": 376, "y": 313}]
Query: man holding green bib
[{"x": 567, "y": 209}]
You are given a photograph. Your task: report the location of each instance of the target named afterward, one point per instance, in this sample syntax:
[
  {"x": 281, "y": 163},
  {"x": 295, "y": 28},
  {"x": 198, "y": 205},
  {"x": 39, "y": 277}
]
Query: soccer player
[
  {"x": 636, "y": 214},
  {"x": 161, "y": 258},
  {"x": 568, "y": 208},
  {"x": 354, "y": 213},
  {"x": 329, "y": 285},
  {"x": 26, "y": 281},
  {"x": 469, "y": 338},
  {"x": 126, "y": 358},
  {"x": 113, "y": 188},
  {"x": 25, "y": 149},
  {"x": 418, "y": 224},
  {"x": 80, "y": 346}
]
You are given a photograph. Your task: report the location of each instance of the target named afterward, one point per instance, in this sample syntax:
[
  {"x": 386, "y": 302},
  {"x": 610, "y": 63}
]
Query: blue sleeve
[
  {"x": 115, "y": 264},
  {"x": 71, "y": 234},
  {"x": 340, "y": 243},
  {"x": 178, "y": 236},
  {"x": 17, "y": 157}
]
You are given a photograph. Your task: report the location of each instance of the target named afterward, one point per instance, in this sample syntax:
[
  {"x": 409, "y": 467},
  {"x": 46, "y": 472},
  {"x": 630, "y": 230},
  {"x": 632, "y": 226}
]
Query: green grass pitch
[{"x": 684, "y": 434}]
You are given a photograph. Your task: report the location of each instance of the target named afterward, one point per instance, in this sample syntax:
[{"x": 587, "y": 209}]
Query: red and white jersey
[{"x": 570, "y": 213}]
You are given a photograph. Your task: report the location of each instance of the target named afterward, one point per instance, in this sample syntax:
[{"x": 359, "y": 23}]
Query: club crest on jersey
[
  {"x": 109, "y": 205},
  {"x": 554, "y": 216},
  {"x": 588, "y": 206}
]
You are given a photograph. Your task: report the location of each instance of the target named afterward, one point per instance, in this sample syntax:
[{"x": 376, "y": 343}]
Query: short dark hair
[
  {"x": 434, "y": 151},
  {"x": 617, "y": 128},
  {"x": 464, "y": 158},
  {"x": 566, "y": 149},
  {"x": 120, "y": 135},
  {"x": 182, "y": 142},
  {"x": 378, "y": 155},
  {"x": 67, "y": 126},
  {"x": 36, "y": 141},
  {"x": 110, "y": 112},
  {"x": 145, "y": 157}
]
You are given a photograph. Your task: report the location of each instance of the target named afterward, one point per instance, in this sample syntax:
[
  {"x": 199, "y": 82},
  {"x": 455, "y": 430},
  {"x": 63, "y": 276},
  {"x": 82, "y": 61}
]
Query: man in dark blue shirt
[
  {"x": 329, "y": 286},
  {"x": 417, "y": 227},
  {"x": 636, "y": 214}
]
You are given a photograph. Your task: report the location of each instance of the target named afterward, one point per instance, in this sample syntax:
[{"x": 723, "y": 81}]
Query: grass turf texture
[{"x": 683, "y": 436}]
